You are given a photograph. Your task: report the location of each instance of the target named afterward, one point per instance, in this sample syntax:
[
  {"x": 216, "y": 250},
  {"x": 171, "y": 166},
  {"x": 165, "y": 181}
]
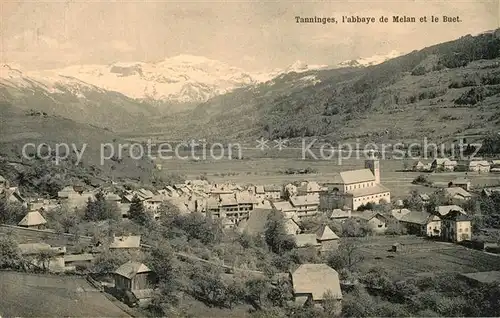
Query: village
[{"x": 315, "y": 218}]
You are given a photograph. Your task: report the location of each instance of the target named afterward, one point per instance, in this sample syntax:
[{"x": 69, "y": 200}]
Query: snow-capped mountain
[
  {"x": 180, "y": 79},
  {"x": 369, "y": 61},
  {"x": 297, "y": 67}
]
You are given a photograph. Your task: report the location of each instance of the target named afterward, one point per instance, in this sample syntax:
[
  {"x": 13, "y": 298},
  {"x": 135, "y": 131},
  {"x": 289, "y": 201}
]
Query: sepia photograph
[{"x": 253, "y": 159}]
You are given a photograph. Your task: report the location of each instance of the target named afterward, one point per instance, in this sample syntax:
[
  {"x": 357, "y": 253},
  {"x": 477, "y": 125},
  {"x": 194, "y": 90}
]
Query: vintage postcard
[{"x": 243, "y": 158}]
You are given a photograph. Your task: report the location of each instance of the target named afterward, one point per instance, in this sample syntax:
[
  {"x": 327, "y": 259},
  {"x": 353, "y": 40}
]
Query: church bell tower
[{"x": 373, "y": 164}]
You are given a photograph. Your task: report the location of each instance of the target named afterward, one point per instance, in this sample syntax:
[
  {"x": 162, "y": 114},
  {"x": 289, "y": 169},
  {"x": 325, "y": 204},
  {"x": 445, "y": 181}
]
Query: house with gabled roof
[
  {"x": 463, "y": 183},
  {"x": 418, "y": 166},
  {"x": 457, "y": 194},
  {"x": 421, "y": 223},
  {"x": 306, "y": 240},
  {"x": 136, "y": 281},
  {"x": 327, "y": 238},
  {"x": 273, "y": 192},
  {"x": 479, "y": 166},
  {"x": 33, "y": 220},
  {"x": 375, "y": 220},
  {"x": 340, "y": 214},
  {"x": 399, "y": 213},
  {"x": 443, "y": 164},
  {"x": 456, "y": 227},
  {"x": 443, "y": 210},
  {"x": 313, "y": 282}
]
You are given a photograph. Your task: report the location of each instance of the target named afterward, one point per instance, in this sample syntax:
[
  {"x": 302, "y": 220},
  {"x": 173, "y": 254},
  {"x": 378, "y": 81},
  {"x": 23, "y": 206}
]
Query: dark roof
[{"x": 457, "y": 216}]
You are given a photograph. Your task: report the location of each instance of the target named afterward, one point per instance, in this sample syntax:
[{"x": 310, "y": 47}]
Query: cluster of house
[
  {"x": 446, "y": 164},
  {"x": 449, "y": 222}
]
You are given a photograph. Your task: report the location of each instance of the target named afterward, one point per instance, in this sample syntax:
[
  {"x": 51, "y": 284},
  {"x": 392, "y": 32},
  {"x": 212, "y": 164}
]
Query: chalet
[
  {"x": 33, "y": 220},
  {"x": 43, "y": 256},
  {"x": 456, "y": 227},
  {"x": 126, "y": 242},
  {"x": 456, "y": 194},
  {"x": 136, "y": 281},
  {"x": 305, "y": 205},
  {"x": 327, "y": 238},
  {"x": 443, "y": 164},
  {"x": 312, "y": 282},
  {"x": 479, "y": 166},
  {"x": 463, "y": 183},
  {"x": 272, "y": 192},
  {"x": 443, "y": 210},
  {"x": 375, "y": 221},
  {"x": 421, "y": 223},
  {"x": 418, "y": 166}
]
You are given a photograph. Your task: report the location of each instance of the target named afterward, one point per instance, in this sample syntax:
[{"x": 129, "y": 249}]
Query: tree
[
  {"x": 275, "y": 234},
  {"x": 208, "y": 285},
  {"x": 347, "y": 256},
  {"x": 99, "y": 209},
  {"x": 280, "y": 293},
  {"x": 109, "y": 261},
  {"x": 10, "y": 255},
  {"x": 10, "y": 213},
  {"x": 44, "y": 257},
  {"x": 137, "y": 212},
  {"x": 414, "y": 201},
  {"x": 257, "y": 288},
  {"x": 378, "y": 278},
  {"x": 331, "y": 305}
]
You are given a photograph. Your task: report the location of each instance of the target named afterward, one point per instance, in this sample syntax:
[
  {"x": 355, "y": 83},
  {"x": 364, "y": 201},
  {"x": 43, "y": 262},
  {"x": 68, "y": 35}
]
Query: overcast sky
[{"x": 252, "y": 35}]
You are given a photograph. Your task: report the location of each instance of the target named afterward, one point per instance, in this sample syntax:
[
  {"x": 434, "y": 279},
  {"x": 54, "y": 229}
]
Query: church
[{"x": 359, "y": 187}]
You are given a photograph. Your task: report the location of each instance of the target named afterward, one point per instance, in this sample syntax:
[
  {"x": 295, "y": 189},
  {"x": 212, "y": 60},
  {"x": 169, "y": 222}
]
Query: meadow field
[
  {"x": 270, "y": 170},
  {"x": 419, "y": 257},
  {"x": 31, "y": 295}
]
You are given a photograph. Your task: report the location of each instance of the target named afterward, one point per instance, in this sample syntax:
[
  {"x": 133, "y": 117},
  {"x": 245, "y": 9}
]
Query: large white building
[{"x": 359, "y": 187}]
